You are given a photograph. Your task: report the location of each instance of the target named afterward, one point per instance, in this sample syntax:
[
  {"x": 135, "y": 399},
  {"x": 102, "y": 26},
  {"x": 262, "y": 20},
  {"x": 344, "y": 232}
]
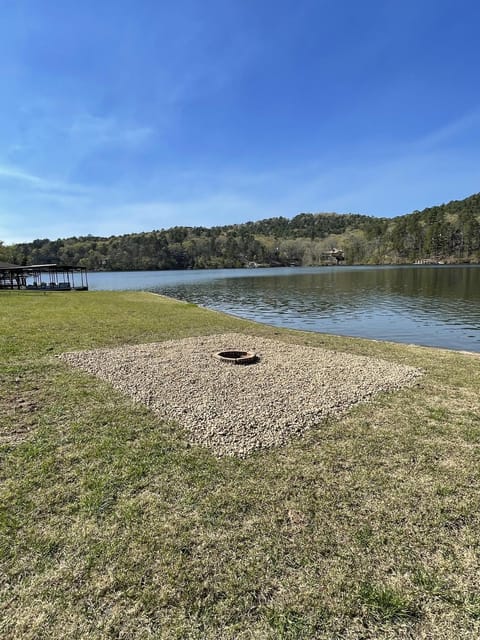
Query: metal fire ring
[{"x": 237, "y": 357}]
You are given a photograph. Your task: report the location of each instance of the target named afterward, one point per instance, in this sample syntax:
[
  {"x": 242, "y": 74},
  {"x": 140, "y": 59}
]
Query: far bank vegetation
[{"x": 447, "y": 233}]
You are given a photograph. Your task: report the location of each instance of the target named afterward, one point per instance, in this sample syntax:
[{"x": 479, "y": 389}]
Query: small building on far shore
[
  {"x": 42, "y": 277},
  {"x": 334, "y": 256}
]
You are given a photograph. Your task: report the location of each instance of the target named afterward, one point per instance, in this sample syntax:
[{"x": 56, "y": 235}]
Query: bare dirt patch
[{"x": 18, "y": 410}]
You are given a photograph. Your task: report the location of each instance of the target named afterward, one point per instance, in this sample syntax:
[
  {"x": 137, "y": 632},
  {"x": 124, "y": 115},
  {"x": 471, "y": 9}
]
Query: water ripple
[{"x": 434, "y": 306}]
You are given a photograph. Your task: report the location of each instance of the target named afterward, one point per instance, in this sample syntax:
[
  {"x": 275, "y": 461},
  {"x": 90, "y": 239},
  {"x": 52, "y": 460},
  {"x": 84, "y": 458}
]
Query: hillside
[{"x": 449, "y": 233}]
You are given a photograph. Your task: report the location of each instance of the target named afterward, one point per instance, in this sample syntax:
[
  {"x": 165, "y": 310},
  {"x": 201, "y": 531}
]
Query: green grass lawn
[{"x": 113, "y": 526}]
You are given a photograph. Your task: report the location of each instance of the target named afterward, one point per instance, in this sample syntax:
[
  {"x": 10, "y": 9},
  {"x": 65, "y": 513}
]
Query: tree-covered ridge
[{"x": 449, "y": 232}]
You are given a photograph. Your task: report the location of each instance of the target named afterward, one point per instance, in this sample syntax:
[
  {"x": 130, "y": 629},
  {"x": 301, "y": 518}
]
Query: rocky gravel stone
[{"x": 235, "y": 409}]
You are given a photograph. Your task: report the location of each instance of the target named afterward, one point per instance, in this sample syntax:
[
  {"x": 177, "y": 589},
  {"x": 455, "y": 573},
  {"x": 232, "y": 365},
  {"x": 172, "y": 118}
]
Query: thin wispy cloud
[
  {"x": 16, "y": 177},
  {"x": 467, "y": 123},
  {"x": 97, "y": 131},
  {"x": 16, "y": 174}
]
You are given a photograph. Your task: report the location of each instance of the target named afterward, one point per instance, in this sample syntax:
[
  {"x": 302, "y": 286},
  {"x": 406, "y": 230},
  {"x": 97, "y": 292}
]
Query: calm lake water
[{"x": 436, "y": 306}]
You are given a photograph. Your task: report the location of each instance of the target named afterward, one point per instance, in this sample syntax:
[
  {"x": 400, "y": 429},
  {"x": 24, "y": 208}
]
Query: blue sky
[{"x": 122, "y": 116}]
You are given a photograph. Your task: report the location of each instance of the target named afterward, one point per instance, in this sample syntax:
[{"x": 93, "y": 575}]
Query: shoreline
[{"x": 319, "y": 333}]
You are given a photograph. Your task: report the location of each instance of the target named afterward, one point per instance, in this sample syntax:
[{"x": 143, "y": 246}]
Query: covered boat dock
[{"x": 43, "y": 277}]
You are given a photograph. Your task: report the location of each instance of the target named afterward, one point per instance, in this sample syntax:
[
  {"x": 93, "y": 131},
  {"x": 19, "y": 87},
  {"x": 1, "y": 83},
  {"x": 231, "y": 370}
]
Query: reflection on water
[{"x": 435, "y": 306}]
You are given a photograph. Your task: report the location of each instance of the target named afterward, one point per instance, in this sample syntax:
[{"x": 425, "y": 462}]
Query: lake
[{"x": 436, "y": 306}]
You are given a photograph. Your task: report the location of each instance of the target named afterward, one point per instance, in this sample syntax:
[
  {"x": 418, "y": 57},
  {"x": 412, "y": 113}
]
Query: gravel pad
[{"x": 234, "y": 409}]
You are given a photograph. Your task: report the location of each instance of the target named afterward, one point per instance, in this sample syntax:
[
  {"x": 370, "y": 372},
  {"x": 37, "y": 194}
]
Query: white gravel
[{"x": 235, "y": 409}]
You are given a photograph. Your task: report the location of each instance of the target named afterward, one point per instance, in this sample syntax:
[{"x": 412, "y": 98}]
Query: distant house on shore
[
  {"x": 334, "y": 254},
  {"x": 42, "y": 277}
]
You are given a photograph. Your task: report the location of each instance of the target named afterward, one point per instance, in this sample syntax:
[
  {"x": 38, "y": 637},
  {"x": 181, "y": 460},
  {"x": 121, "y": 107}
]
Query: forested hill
[{"x": 448, "y": 233}]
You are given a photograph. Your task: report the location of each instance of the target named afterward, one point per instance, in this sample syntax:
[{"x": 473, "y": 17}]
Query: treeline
[{"x": 449, "y": 233}]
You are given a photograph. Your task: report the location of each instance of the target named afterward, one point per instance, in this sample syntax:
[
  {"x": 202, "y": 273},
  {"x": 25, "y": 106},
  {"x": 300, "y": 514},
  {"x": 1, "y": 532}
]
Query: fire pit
[{"x": 237, "y": 357}]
